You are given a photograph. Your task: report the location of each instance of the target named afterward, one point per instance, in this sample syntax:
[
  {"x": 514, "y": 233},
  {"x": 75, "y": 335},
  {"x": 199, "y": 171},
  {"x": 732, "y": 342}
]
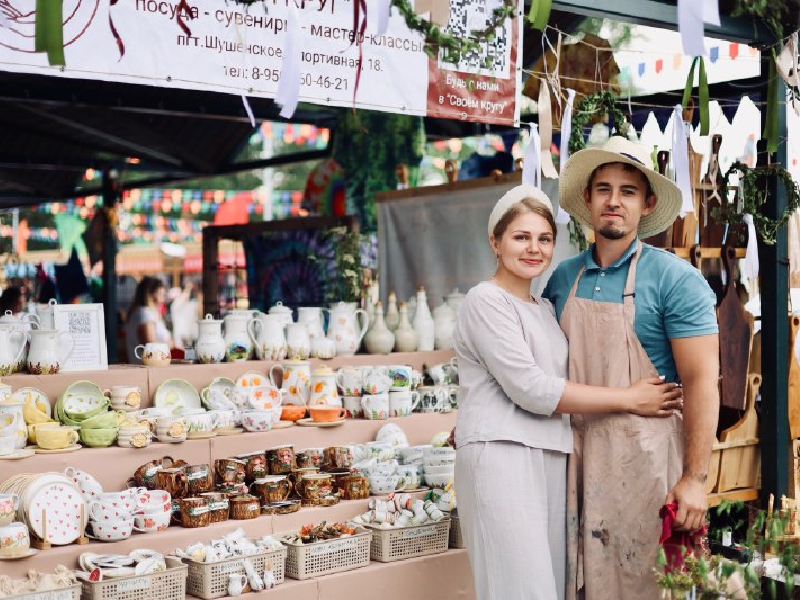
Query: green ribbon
[
  {"x": 771, "y": 125},
  {"x": 540, "y": 13},
  {"x": 50, "y": 30},
  {"x": 702, "y": 92}
]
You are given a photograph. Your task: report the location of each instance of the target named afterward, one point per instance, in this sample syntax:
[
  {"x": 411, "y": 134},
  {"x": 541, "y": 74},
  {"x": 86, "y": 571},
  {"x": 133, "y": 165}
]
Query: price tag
[
  {"x": 236, "y": 566},
  {"x": 415, "y": 533},
  {"x": 332, "y": 547},
  {"x": 129, "y": 585},
  {"x": 53, "y": 595}
]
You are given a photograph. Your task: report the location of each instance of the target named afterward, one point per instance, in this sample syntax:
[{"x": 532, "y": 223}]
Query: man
[{"x": 630, "y": 310}]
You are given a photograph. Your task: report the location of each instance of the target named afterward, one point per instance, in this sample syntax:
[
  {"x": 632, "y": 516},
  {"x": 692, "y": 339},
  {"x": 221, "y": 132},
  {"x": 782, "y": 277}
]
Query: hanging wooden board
[
  {"x": 740, "y": 463},
  {"x": 712, "y": 231},
  {"x": 794, "y": 379},
  {"x": 735, "y": 338}
]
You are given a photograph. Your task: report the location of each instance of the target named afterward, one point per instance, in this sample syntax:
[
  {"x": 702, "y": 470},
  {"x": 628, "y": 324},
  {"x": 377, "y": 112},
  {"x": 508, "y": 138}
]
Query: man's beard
[{"x": 611, "y": 233}]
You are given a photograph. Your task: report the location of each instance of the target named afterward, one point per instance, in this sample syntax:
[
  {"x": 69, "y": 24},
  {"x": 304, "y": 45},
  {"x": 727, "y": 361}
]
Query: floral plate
[
  {"x": 252, "y": 379},
  {"x": 177, "y": 395},
  {"x": 30, "y": 395}
]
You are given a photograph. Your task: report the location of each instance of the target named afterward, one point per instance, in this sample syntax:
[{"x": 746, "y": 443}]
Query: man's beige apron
[{"x": 623, "y": 465}]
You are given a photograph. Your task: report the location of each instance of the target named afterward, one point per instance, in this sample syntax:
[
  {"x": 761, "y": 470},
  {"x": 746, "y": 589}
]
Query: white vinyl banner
[{"x": 228, "y": 47}]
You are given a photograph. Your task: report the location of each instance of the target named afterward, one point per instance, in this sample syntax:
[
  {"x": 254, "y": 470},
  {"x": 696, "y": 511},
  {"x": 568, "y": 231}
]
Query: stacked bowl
[
  {"x": 438, "y": 466},
  {"x": 84, "y": 406}
]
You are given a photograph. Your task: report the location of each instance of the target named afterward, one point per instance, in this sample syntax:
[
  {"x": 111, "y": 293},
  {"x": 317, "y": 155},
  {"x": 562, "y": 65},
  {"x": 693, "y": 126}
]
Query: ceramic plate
[
  {"x": 264, "y": 397},
  {"x": 219, "y": 385},
  {"x": 71, "y": 448},
  {"x": 82, "y": 397},
  {"x": 31, "y": 395},
  {"x": 18, "y": 454},
  {"x": 309, "y": 422},
  {"x": 252, "y": 379},
  {"x": 177, "y": 395},
  {"x": 61, "y": 502},
  {"x": 26, "y": 554}
]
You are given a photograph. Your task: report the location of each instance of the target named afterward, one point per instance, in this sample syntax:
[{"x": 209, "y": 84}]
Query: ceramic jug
[
  {"x": 345, "y": 330},
  {"x": 392, "y": 318},
  {"x": 210, "y": 345},
  {"x": 12, "y": 345},
  {"x": 284, "y": 312},
  {"x": 323, "y": 387},
  {"x": 298, "y": 341},
  {"x": 423, "y": 323},
  {"x": 312, "y": 317},
  {"x": 14, "y": 408},
  {"x": 379, "y": 339},
  {"x": 266, "y": 331},
  {"x": 295, "y": 380},
  {"x": 25, "y": 320},
  {"x": 405, "y": 337},
  {"x": 46, "y": 356},
  {"x": 444, "y": 323},
  {"x": 238, "y": 346},
  {"x": 454, "y": 300}
]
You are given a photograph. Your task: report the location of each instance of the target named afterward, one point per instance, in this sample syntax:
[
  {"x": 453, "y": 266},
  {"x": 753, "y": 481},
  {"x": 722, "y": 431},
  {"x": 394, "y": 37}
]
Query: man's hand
[
  {"x": 690, "y": 495},
  {"x": 451, "y": 441}
]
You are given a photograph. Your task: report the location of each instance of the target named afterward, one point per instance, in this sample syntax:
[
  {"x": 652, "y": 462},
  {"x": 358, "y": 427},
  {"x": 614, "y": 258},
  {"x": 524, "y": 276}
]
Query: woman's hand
[{"x": 651, "y": 397}]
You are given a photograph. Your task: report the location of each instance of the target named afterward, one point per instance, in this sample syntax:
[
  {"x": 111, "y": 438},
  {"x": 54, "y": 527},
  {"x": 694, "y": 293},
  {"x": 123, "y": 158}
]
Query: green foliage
[{"x": 775, "y": 13}]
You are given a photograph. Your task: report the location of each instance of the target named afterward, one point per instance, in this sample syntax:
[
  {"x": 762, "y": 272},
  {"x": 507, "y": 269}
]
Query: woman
[
  {"x": 144, "y": 319},
  {"x": 513, "y": 433}
]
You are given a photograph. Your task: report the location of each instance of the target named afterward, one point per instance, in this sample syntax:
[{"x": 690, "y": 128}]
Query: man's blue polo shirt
[{"x": 672, "y": 298}]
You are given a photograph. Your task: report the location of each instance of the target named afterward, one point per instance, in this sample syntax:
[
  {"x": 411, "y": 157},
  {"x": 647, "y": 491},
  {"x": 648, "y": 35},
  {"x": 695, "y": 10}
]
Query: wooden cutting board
[
  {"x": 735, "y": 338},
  {"x": 794, "y": 379},
  {"x": 741, "y": 455}
]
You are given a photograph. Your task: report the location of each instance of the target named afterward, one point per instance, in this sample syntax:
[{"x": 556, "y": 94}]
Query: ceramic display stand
[{"x": 40, "y": 544}]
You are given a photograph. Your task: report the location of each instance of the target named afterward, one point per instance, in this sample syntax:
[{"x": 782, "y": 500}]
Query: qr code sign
[
  {"x": 492, "y": 57},
  {"x": 80, "y": 323}
]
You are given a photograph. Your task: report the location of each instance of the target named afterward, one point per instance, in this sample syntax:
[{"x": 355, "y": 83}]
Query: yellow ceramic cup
[
  {"x": 33, "y": 415},
  {"x": 32, "y": 429},
  {"x": 56, "y": 438}
]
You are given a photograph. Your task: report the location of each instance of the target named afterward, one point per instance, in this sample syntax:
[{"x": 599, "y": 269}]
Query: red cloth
[{"x": 677, "y": 544}]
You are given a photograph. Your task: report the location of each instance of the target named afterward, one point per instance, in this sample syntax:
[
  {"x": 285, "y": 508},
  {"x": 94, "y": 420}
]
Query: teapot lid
[
  {"x": 8, "y": 317},
  {"x": 278, "y": 307},
  {"x": 209, "y": 318},
  {"x": 323, "y": 370},
  {"x": 455, "y": 294}
]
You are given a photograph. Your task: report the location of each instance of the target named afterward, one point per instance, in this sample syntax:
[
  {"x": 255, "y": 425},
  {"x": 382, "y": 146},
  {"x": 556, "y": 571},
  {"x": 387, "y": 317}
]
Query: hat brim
[{"x": 575, "y": 176}]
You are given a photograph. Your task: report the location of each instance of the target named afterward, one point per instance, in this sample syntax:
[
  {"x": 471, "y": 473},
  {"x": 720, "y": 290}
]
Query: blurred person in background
[{"x": 145, "y": 323}]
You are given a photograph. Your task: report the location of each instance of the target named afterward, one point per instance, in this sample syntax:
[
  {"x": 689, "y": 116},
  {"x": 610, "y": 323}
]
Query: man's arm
[{"x": 697, "y": 361}]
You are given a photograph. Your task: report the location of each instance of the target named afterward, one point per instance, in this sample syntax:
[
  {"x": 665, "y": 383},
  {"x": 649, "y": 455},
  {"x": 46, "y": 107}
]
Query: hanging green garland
[
  {"x": 591, "y": 106},
  {"x": 752, "y": 184},
  {"x": 454, "y": 47}
]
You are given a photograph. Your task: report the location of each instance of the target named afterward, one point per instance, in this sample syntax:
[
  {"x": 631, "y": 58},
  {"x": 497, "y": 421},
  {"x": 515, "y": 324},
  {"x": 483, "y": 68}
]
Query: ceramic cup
[
  {"x": 112, "y": 531},
  {"x": 153, "y": 354},
  {"x": 402, "y": 404},
  {"x": 257, "y": 420},
  {"x": 14, "y": 540},
  {"x": 315, "y": 457},
  {"x": 352, "y": 407},
  {"x": 56, "y": 438},
  {"x": 350, "y": 380},
  {"x": 273, "y": 488},
  {"x": 9, "y": 503},
  {"x": 124, "y": 397},
  {"x": 225, "y": 419},
  {"x": 103, "y": 511},
  {"x": 375, "y": 406},
  {"x": 412, "y": 476},
  {"x": 401, "y": 376},
  {"x": 323, "y": 413},
  {"x": 152, "y": 522},
  {"x": 280, "y": 459},
  {"x": 199, "y": 420}
]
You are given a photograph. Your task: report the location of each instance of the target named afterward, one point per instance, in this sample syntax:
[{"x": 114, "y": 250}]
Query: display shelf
[{"x": 113, "y": 466}]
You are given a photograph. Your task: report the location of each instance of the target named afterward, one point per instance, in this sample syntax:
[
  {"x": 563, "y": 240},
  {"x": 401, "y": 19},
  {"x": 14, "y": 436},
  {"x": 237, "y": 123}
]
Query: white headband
[{"x": 514, "y": 195}]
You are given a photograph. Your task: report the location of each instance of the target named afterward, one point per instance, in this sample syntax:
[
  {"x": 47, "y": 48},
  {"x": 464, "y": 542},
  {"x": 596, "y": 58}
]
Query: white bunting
[
  {"x": 566, "y": 129},
  {"x": 680, "y": 160}
]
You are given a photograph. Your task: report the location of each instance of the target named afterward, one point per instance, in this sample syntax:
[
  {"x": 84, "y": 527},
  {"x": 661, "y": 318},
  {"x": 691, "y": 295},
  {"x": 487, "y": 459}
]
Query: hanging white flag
[
  {"x": 680, "y": 160},
  {"x": 532, "y": 161},
  {"x": 566, "y": 129},
  {"x": 751, "y": 265},
  {"x": 289, "y": 86}
]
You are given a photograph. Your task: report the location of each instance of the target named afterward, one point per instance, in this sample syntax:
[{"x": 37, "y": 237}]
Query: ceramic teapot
[
  {"x": 12, "y": 345},
  {"x": 323, "y": 387},
  {"x": 45, "y": 356},
  {"x": 312, "y": 317},
  {"x": 210, "y": 345},
  {"x": 266, "y": 331},
  {"x": 25, "y": 320},
  {"x": 298, "y": 341},
  {"x": 238, "y": 346},
  {"x": 284, "y": 312},
  {"x": 345, "y": 330},
  {"x": 47, "y": 315}
]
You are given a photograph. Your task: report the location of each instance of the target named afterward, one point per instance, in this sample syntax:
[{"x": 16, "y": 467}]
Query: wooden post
[{"x": 111, "y": 197}]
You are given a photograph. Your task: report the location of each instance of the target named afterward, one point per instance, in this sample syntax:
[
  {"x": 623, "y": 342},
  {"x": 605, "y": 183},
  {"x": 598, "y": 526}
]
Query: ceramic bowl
[
  {"x": 432, "y": 453},
  {"x": 153, "y": 501},
  {"x": 112, "y": 531},
  {"x": 437, "y": 481},
  {"x": 292, "y": 412},
  {"x": 104, "y": 420},
  {"x": 385, "y": 468},
  {"x": 409, "y": 455},
  {"x": 257, "y": 420},
  {"x": 200, "y": 420},
  {"x": 98, "y": 438},
  {"x": 383, "y": 484},
  {"x": 443, "y": 470},
  {"x": 440, "y": 462},
  {"x": 152, "y": 522}
]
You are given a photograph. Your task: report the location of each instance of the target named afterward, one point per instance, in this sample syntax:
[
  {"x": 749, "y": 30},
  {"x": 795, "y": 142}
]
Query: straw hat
[
  {"x": 514, "y": 195},
  {"x": 576, "y": 171}
]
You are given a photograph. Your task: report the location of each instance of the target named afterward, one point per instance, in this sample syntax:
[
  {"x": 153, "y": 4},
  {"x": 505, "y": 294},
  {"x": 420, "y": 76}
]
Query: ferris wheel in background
[{"x": 18, "y": 22}]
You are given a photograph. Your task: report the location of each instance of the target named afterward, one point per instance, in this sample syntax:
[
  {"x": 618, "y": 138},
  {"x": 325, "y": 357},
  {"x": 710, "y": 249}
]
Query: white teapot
[
  {"x": 210, "y": 345},
  {"x": 283, "y": 311},
  {"x": 344, "y": 330}
]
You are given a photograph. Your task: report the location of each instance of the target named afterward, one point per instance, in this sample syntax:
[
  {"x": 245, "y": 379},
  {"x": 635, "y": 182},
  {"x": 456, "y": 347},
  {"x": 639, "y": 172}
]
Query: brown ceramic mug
[
  {"x": 354, "y": 487},
  {"x": 255, "y": 465},
  {"x": 338, "y": 458},
  {"x": 173, "y": 481},
  {"x": 229, "y": 470},
  {"x": 302, "y": 460},
  {"x": 315, "y": 486},
  {"x": 199, "y": 478},
  {"x": 273, "y": 488},
  {"x": 280, "y": 459}
]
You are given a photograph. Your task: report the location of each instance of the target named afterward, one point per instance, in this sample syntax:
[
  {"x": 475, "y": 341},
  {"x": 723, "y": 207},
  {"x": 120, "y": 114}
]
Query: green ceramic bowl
[
  {"x": 106, "y": 420},
  {"x": 98, "y": 438}
]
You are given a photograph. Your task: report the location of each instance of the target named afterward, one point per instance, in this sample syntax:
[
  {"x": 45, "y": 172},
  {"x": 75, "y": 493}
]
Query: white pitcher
[
  {"x": 282, "y": 311},
  {"x": 210, "y": 347},
  {"x": 312, "y": 317},
  {"x": 47, "y": 315},
  {"x": 12, "y": 344},
  {"x": 45, "y": 356},
  {"x": 266, "y": 331},
  {"x": 344, "y": 330},
  {"x": 238, "y": 346},
  {"x": 298, "y": 340}
]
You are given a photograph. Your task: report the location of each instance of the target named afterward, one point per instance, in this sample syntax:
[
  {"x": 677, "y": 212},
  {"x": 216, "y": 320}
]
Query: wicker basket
[
  {"x": 331, "y": 556},
  {"x": 456, "y": 539},
  {"x": 210, "y": 580},
  {"x": 389, "y": 545},
  {"x": 72, "y": 592},
  {"x": 166, "y": 585}
]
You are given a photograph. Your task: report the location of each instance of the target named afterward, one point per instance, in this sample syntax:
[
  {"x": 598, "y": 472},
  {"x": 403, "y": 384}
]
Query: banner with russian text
[{"x": 227, "y": 47}]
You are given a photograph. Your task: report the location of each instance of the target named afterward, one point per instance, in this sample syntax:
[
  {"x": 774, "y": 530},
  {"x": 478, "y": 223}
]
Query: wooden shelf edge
[{"x": 732, "y": 496}]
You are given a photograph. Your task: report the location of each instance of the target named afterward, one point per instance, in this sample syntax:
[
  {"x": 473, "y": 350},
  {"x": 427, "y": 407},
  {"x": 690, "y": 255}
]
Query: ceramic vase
[
  {"x": 405, "y": 336},
  {"x": 379, "y": 339},
  {"x": 444, "y": 319},
  {"x": 392, "y": 318},
  {"x": 423, "y": 323}
]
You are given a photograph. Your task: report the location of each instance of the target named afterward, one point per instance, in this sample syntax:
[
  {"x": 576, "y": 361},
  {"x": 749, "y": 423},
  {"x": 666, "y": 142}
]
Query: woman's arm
[
  {"x": 648, "y": 397},
  {"x": 146, "y": 332}
]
